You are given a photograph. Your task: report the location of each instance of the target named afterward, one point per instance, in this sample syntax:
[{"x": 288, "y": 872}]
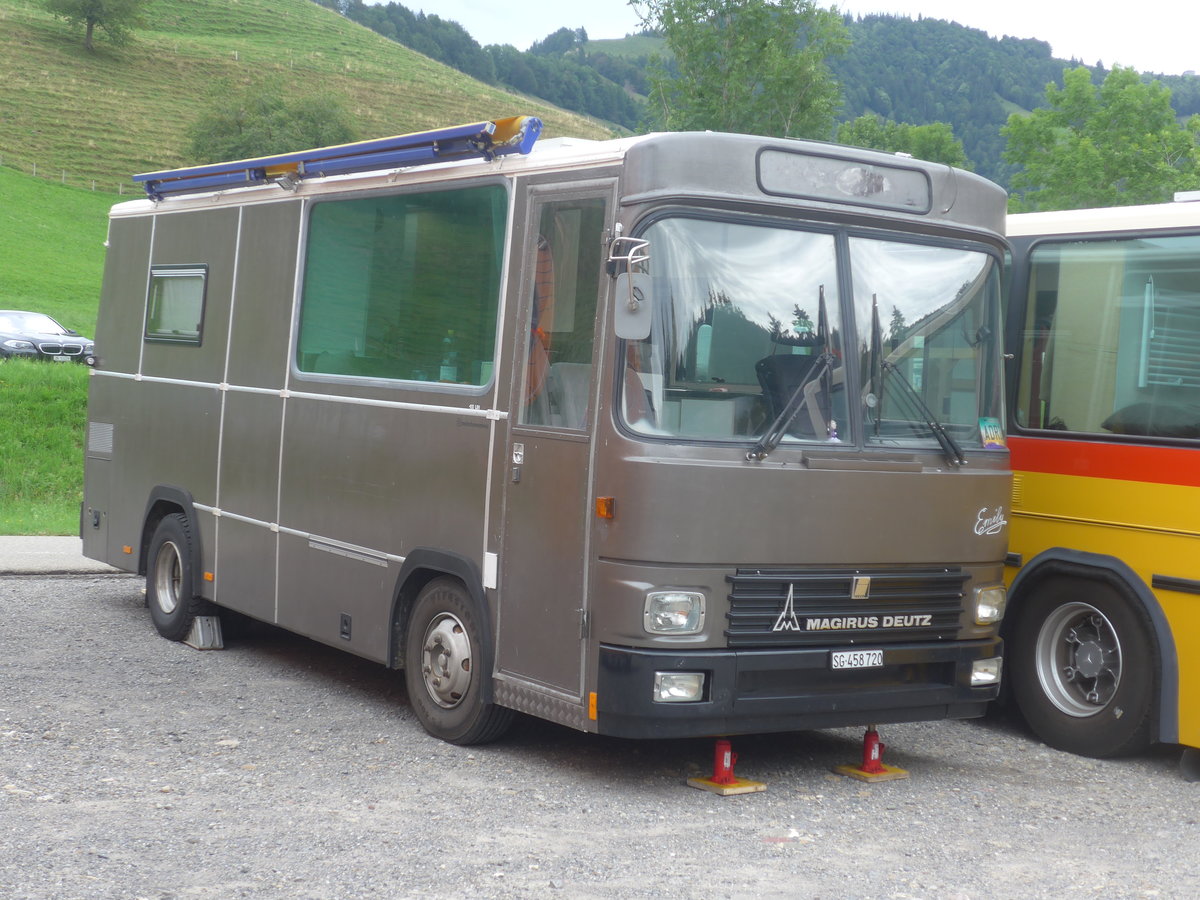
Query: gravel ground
[{"x": 133, "y": 767}]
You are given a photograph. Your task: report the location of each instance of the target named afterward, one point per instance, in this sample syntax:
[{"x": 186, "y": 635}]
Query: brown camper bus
[{"x": 672, "y": 435}]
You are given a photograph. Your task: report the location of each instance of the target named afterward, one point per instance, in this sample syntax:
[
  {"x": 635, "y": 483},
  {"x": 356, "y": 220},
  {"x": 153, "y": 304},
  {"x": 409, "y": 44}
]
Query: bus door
[{"x": 547, "y": 462}]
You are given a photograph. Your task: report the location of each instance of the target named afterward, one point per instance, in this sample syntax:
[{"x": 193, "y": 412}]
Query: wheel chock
[
  {"x": 1189, "y": 764},
  {"x": 723, "y": 781},
  {"x": 873, "y": 767},
  {"x": 205, "y": 633}
]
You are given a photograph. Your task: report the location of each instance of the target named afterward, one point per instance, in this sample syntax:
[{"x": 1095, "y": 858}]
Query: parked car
[{"x": 30, "y": 335}]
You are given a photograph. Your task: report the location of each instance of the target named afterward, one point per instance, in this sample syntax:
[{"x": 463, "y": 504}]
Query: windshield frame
[{"x": 850, "y": 434}]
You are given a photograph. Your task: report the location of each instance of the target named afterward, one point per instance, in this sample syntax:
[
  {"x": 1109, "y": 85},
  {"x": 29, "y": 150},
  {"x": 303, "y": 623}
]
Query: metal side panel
[{"x": 527, "y": 698}]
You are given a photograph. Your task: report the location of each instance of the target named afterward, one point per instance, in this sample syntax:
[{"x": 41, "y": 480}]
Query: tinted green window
[
  {"x": 404, "y": 286},
  {"x": 175, "y": 309}
]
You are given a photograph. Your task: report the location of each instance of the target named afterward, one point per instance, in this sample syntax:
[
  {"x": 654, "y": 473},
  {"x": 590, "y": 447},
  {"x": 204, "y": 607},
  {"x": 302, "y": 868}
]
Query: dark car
[{"x": 30, "y": 335}]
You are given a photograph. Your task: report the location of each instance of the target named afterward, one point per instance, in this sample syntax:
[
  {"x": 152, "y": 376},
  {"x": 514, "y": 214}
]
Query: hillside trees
[
  {"x": 118, "y": 18},
  {"x": 438, "y": 38},
  {"x": 566, "y": 80},
  {"x": 267, "y": 119},
  {"x": 554, "y": 69},
  {"x": 752, "y": 66},
  {"x": 1112, "y": 145},
  {"x": 928, "y": 70},
  {"x": 935, "y": 142},
  {"x": 565, "y": 40}
]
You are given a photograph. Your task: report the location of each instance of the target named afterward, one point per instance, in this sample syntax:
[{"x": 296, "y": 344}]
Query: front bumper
[
  {"x": 85, "y": 356},
  {"x": 761, "y": 691}
]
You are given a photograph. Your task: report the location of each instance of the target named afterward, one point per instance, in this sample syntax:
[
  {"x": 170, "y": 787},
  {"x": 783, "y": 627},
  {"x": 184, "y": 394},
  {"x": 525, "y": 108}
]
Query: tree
[
  {"x": 264, "y": 120},
  {"x": 751, "y": 66},
  {"x": 118, "y": 18},
  {"x": 935, "y": 142},
  {"x": 562, "y": 41},
  {"x": 1112, "y": 145}
]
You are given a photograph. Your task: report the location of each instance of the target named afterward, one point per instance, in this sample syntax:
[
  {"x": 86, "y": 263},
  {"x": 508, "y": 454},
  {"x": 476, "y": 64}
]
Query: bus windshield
[{"x": 758, "y": 335}]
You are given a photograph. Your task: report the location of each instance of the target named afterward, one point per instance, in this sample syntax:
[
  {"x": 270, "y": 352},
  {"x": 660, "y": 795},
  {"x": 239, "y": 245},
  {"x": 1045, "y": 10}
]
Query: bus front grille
[{"x": 805, "y": 607}]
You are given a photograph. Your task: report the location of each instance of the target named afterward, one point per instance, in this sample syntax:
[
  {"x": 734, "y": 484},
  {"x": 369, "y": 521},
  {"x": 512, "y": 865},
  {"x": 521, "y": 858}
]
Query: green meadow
[
  {"x": 74, "y": 126},
  {"x": 51, "y": 257}
]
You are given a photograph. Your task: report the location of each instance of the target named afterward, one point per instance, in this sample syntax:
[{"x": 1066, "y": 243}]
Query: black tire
[
  {"x": 170, "y": 584},
  {"x": 445, "y": 666},
  {"x": 1083, "y": 668}
]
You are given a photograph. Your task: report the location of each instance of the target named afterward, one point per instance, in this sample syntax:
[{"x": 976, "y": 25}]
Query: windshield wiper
[
  {"x": 822, "y": 368},
  {"x": 880, "y": 367},
  {"x": 949, "y": 445}
]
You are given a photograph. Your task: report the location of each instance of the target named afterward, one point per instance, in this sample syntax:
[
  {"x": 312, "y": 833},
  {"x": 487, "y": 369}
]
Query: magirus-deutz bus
[{"x": 672, "y": 435}]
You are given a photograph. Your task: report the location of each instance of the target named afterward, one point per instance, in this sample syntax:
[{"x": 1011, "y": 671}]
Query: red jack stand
[
  {"x": 873, "y": 767},
  {"x": 723, "y": 781}
]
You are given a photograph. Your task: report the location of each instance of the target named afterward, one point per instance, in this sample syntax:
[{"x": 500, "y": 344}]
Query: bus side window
[
  {"x": 1112, "y": 338},
  {"x": 176, "y": 304},
  {"x": 404, "y": 287}
]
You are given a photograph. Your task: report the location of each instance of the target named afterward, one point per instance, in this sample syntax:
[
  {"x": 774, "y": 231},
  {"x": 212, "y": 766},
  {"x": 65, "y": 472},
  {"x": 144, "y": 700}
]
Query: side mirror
[{"x": 634, "y": 309}]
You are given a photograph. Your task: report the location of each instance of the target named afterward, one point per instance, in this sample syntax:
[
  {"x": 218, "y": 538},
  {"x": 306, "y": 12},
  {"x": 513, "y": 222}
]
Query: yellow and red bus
[{"x": 1103, "y": 632}]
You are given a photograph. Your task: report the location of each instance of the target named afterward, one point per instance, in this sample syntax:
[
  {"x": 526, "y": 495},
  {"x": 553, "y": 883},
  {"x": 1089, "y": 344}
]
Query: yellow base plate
[
  {"x": 889, "y": 773},
  {"x": 738, "y": 786}
]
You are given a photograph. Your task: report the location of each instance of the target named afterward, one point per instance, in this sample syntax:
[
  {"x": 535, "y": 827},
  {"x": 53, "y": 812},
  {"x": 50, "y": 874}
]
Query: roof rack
[{"x": 480, "y": 140}]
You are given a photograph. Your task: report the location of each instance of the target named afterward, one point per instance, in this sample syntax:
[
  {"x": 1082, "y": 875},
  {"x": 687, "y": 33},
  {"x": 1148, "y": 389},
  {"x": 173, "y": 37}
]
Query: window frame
[
  {"x": 176, "y": 271},
  {"x": 503, "y": 237},
  {"x": 1126, "y": 427}
]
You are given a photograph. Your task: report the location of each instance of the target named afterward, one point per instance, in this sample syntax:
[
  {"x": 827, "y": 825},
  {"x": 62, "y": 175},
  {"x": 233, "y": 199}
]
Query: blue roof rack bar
[{"x": 480, "y": 140}]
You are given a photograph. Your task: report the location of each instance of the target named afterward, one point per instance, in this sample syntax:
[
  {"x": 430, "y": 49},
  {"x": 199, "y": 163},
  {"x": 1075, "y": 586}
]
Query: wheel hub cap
[
  {"x": 1078, "y": 659},
  {"x": 1089, "y": 659},
  {"x": 446, "y": 661}
]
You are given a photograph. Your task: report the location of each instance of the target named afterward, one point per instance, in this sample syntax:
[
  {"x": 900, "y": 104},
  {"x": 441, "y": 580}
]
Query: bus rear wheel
[
  {"x": 1083, "y": 665},
  {"x": 170, "y": 586},
  {"x": 443, "y": 672}
]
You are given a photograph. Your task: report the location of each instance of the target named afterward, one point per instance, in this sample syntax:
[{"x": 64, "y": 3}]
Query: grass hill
[
  {"x": 51, "y": 248},
  {"x": 105, "y": 115},
  {"x": 88, "y": 121},
  {"x": 51, "y": 259}
]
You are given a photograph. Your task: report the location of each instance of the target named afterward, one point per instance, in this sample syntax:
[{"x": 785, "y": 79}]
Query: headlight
[
  {"x": 986, "y": 671},
  {"x": 15, "y": 344},
  {"x": 678, "y": 687},
  {"x": 989, "y": 604},
  {"x": 674, "y": 612}
]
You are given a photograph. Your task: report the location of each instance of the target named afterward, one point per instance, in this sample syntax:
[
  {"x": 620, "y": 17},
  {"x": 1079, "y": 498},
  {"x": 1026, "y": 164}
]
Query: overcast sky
[{"x": 1152, "y": 36}]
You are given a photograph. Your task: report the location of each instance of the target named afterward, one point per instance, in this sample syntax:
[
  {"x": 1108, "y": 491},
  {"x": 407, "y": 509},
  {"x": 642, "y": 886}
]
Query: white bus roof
[{"x": 1183, "y": 213}]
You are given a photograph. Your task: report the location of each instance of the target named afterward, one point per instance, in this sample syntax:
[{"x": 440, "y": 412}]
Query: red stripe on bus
[{"x": 1100, "y": 459}]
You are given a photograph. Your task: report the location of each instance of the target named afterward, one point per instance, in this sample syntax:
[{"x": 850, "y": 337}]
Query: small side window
[{"x": 175, "y": 307}]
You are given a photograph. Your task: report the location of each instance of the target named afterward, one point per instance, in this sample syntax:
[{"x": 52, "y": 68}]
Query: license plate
[
  {"x": 62, "y": 359},
  {"x": 856, "y": 659}
]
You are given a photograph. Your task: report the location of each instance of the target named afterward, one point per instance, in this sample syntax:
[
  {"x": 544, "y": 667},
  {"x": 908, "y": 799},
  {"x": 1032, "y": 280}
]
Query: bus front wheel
[
  {"x": 170, "y": 587},
  {"x": 443, "y": 671},
  {"x": 1082, "y": 665}
]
